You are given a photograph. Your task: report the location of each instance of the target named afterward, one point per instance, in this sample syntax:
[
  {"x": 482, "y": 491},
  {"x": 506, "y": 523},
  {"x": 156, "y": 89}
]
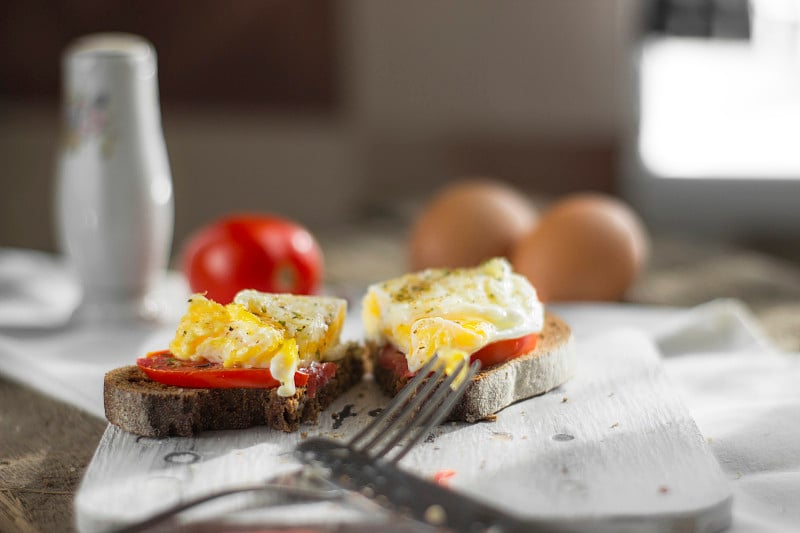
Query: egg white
[{"x": 451, "y": 312}]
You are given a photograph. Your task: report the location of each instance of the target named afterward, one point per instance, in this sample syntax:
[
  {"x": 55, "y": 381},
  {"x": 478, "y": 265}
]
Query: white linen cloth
[{"x": 743, "y": 393}]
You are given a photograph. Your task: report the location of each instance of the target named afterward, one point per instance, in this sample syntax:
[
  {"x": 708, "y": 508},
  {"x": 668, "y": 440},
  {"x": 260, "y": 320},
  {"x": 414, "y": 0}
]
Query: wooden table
[{"x": 45, "y": 445}]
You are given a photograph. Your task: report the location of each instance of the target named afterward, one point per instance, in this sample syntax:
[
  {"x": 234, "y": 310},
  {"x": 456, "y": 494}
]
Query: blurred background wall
[{"x": 332, "y": 111}]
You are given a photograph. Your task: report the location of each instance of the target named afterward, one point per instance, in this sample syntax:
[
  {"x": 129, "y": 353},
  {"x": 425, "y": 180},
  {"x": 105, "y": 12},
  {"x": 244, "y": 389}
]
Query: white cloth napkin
[
  {"x": 745, "y": 397},
  {"x": 35, "y": 290},
  {"x": 43, "y": 347},
  {"x": 742, "y": 392}
]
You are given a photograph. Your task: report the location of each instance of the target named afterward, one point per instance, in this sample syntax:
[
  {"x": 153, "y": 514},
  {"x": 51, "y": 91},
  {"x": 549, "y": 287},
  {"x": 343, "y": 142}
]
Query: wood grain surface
[
  {"x": 45, "y": 446},
  {"x": 612, "y": 449}
]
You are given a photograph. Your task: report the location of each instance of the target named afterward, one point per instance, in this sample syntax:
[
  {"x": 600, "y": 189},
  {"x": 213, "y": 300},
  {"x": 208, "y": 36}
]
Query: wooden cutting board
[{"x": 614, "y": 449}]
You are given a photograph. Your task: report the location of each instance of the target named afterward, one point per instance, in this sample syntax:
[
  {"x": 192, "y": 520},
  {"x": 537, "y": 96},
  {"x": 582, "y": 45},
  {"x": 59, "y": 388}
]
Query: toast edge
[{"x": 551, "y": 364}]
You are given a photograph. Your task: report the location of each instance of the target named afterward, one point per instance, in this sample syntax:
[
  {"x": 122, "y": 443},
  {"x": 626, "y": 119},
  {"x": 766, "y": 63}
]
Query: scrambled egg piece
[
  {"x": 261, "y": 330},
  {"x": 451, "y": 312}
]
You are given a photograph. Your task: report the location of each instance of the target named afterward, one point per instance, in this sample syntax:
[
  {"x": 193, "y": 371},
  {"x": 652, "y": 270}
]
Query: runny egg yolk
[
  {"x": 451, "y": 313},
  {"x": 260, "y": 330}
]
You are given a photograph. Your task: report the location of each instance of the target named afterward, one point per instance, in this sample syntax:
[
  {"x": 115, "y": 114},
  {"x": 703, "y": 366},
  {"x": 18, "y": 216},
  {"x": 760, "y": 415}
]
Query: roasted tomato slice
[
  {"x": 501, "y": 351},
  {"x": 495, "y": 353},
  {"x": 164, "y": 368},
  {"x": 394, "y": 360}
]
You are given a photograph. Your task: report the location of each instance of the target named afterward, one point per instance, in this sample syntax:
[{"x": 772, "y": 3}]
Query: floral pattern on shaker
[{"x": 87, "y": 118}]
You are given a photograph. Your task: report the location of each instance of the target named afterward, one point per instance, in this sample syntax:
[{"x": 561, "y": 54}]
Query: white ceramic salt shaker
[{"x": 114, "y": 199}]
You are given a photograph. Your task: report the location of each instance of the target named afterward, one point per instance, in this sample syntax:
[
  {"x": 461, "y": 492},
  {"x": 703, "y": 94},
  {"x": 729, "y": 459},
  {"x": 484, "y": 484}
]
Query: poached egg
[{"x": 451, "y": 312}]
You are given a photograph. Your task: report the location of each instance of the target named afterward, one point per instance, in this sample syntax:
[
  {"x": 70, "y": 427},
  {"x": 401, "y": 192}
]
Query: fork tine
[
  {"x": 394, "y": 424},
  {"x": 429, "y": 400},
  {"x": 440, "y": 411},
  {"x": 397, "y": 403},
  {"x": 404, "y": 420}
]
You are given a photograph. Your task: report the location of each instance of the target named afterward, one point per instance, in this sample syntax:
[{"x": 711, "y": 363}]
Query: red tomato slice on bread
[
  {"x": 165, "y": 368},
  {"x": 495, "y": 353},
  {"x": 502, "y": 351}
]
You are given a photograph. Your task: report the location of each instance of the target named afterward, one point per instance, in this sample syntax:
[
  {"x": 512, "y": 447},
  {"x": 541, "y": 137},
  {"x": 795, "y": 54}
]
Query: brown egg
[
  {"x": 585, "y": 247},
  {"x": 468, "y": 222}
]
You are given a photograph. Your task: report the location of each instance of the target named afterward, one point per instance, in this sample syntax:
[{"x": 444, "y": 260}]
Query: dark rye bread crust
[
  {"x": 142, "y": 406},
  {"x": 494, "y": 388}
]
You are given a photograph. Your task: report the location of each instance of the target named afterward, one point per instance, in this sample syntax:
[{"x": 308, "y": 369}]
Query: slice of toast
[
  {"x": 549, "y": 365},
  {"x": 145, "y": 407}
]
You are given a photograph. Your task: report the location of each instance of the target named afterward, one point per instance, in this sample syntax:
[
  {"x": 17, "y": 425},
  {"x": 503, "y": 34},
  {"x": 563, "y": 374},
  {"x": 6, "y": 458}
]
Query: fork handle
[{"x": 411, "y": 495}]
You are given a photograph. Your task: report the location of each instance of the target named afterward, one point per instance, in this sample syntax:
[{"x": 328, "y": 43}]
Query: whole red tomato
[{"x": 262, "y": 252}]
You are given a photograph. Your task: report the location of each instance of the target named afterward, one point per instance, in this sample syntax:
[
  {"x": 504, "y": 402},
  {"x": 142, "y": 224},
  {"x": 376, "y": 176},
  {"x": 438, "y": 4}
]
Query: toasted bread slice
[
  {"x": 549, "y": 365},
  {"x": 139, "y": 405}
]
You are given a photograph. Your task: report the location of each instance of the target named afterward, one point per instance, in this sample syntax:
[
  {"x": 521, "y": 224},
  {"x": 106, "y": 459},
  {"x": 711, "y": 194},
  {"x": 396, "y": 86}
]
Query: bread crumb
[
  {"x": 498, "y": 435},
  {"x": 564, "y": 399},
  {"x": 304, "y": 435},
  {"x": 615, "y": 425}
]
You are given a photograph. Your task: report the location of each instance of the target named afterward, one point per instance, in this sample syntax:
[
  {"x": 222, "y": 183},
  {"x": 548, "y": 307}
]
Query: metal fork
[
  {"x": 422, "y": 404},
  {"x": 367, "y": 463},
  {"x": 308, "y": 488},
  {"x": 400, "y": 415}
]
